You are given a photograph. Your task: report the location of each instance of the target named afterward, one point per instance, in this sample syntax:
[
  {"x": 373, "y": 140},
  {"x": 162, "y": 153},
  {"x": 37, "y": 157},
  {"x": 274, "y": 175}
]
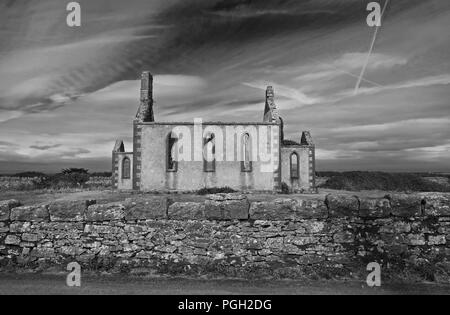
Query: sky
[{"x": 66, "y": 94}]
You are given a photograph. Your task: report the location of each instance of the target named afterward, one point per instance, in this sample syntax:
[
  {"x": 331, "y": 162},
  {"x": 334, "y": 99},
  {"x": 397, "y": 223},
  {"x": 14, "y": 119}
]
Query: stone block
[
  {"x": 311, "y": 208},
  {"x": 406, "y": 206},
  {"x": 69, "y": 210},
  {"x": 12, "y": 240},
  {"x": 344, "y": 237},
  {"x": 437, "y": 240},
  {"x": 416, "y": 239},
  {"x": 288, "y": 209},
  {"x": 186, "y": 211},
  {"x": 342, "y": 205},
  {"x": 436, "y": 204},
  {"x": 374, "y": 207},
  {"x": 20, "y": 227},
  {"x": 5, "y": 208},
  {"x": 27, "y": 237},
  {"x": 36, "y": 213},
  {"x": 227, "y": 207},
  {"x": 114, "y": 211},
  {"x": 395, "y": 228},
  {"x": 277, "y": 210},
  {"x": 146, "y": 208}
]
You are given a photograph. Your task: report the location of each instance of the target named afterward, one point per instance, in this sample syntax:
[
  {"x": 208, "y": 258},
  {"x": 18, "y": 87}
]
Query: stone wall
[{"x": 226, "y": 235}]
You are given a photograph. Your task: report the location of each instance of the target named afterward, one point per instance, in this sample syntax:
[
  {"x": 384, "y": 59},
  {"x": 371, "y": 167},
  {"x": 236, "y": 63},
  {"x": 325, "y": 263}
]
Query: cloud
[
  {"x": 74, "y": 153},
  {"x": 443, "y": 79},
  {"x": 286, "y": 92},
  {"x": 348, "y": 64},
  {"x": 45, "y": 147},
  {"x": 7, "y": 144},
  {"x": 6, "y": 115}
]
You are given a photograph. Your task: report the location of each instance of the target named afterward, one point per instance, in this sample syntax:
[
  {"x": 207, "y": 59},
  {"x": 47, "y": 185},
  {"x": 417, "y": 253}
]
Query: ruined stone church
[{"x": 188, "y": 156}]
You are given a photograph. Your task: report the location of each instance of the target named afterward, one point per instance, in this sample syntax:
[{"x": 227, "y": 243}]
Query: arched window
[
  {"x": 209, "y": 153},
  {"x": 294, "y": 163},
  {"x": 126, "y": 168},
  {"x": 246, "y": 164},
  {"x": 172, "y": 164}
]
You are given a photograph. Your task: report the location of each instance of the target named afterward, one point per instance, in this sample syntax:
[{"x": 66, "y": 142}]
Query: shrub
[
  {"x": 284, "y": 188},
  {"x": 68, "y": 178}
]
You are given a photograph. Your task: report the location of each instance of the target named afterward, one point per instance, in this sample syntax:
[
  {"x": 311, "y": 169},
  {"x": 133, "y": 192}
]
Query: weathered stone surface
[
  {"x": 38, "y": 213},
  {"x": 69, "y": 210},
  {"x": 105, "y": 212},
  {"x": 344, "y": 237},
  {"x": 396, "y": 228},
  {"x": 102, "y": 229},
  {"x": 406, "y": 206},
  {"x": 12, "y": 240},
  {"x": 416, "y": 239},
  {"x": 5, "y": 207},
  {"x": 144, "y": 208},
  {"x": 276, "y": 210},
  {"x": 288, "y": 209},
  {"x": 436, "y": 204},
  {"x": 187, "y": 211},
  {"x": 20, "y": 227},
  {"x": 27, "y": 237},
  {"x": 227, "y": 207},
  {"x": 342, "y": 205},
  {"x": 3, "y": 227},
  {"x": 437, "y": 240},
  {"x": 310, "y": 208},
  {"x": 225, "y": 196},
  {"x": 374, "y": 207}
]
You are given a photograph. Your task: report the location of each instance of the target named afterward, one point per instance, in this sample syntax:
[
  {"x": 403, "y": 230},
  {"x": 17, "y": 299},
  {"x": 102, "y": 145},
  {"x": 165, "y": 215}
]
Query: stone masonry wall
[{"x": 228, "y": 236}]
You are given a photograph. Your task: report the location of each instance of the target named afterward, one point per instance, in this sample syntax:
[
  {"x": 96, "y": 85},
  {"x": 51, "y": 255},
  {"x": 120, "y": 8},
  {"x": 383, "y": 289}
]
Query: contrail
[{"x": 358, "y": 84}]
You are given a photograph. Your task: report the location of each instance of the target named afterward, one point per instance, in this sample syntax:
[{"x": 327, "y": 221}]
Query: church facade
[{"x": 188, "y": 156}]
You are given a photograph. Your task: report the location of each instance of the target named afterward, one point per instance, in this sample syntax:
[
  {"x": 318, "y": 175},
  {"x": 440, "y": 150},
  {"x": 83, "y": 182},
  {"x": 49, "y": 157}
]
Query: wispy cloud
[
  {"x": 45, "y": 147},
  {"x": 443, "y": 79},
  {"x": 286, "y": 92}
]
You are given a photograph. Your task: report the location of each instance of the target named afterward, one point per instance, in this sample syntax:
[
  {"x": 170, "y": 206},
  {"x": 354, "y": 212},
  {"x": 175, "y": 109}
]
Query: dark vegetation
[
  {"x": 67, "y": 178},
  {"x": 285, "y": 188},
  {"x": 355, "y": 181},
  {"x": 218, "y": 190}
]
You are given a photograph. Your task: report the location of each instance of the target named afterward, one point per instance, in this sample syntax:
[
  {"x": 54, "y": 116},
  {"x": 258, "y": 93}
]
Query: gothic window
[
  {"x": 126, "y": 168},
  {"x": 172, "y": 164},
  {"x": 294, "y": 163},
  {"x": 246, "y": 164},
  {"x": 209, "y": 152}
]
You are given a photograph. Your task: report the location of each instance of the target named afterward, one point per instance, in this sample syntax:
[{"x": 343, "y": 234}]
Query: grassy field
[
  {"x": 370, "y": 184},
  {"x": 399, "y": 182}
]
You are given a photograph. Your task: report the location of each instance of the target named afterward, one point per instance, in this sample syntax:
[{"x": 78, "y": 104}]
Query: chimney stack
[
  {"x": 270, "y": 111},
  {"x": 145, "y": 113}
]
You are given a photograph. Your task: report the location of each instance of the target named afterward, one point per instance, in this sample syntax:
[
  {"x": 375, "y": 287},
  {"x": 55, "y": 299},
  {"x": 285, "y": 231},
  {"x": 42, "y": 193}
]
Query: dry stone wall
[{"x": 228, "y": 236}]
